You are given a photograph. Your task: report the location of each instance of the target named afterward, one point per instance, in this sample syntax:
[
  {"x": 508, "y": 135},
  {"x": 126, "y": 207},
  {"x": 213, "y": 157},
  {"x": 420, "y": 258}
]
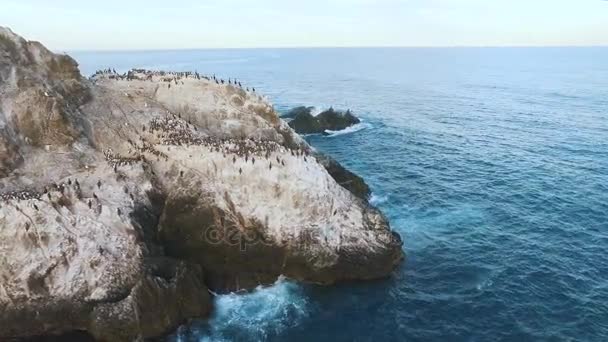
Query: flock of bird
[
  {"x": 23, "y": 195},
  {"x": 175, "y": 132},
  {"x": 171, "y": 130},
  {"x": 56, "y": 194},
  {"x": 169, "y": 77}
]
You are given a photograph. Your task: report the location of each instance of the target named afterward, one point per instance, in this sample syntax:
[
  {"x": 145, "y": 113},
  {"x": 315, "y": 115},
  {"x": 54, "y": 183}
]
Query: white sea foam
[
  {"x": 352, "y": 129},
  {"x": 259, "y": 315},
  {"x": 378, "y": 199}
]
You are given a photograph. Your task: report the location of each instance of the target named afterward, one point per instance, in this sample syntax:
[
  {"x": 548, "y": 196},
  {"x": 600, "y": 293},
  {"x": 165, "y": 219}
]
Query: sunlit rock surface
[{"x": 124, "y": 197}]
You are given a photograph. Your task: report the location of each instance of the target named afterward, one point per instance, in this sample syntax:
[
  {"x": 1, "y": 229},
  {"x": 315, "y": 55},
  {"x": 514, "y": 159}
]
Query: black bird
[
  {"x": 181, "y": 173},
  {"x": 118, "y": 211},
  {"x": 90, "y": 204},
  {"x": 95, "y": 196},
  {"x": 69, "y": 181},
  {"x": 253, "y": 160},
  {"x": 270, "y": 166},
  {"x": 240, "y": 171},
  {"x": 99, "y": 184},
  {"x": 36, "y": 207}
]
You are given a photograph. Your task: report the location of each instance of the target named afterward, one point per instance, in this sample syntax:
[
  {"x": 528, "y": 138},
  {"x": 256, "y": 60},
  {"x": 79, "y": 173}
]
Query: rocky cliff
[{"x": 124, "y": 197}]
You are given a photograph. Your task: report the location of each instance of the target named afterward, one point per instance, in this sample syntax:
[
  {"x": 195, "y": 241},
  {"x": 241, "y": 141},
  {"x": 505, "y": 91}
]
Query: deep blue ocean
[{"x": 492, "y": 163}]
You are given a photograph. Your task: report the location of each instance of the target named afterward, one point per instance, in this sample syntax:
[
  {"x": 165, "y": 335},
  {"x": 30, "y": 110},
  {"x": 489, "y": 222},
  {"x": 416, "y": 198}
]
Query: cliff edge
[{"x": 123, "y": 197}]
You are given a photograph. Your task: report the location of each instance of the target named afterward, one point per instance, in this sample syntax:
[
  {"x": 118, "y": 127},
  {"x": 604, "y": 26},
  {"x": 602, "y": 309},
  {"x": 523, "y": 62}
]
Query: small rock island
[
  {"x": 126, "y": 199},
  {"x": 304, "y": 122}
]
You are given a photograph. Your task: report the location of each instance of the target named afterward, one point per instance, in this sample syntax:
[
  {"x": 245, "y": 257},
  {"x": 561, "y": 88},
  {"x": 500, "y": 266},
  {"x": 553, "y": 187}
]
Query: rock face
[
  {"x": 77, "y": 248},
  {"x": 344, "y": 177},
  {"x": 124, "y": 197},
  {"x": 304, "y": 122}
]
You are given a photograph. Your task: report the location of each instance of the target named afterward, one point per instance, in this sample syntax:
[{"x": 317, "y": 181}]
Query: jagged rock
[
  {"x": 344, "y": 177},
  {"x": 123, "y": 198},
  {"x": 305, "y": 123},
  {"x": 171, "y": 291},
  {"x": 292, "y": 113}
]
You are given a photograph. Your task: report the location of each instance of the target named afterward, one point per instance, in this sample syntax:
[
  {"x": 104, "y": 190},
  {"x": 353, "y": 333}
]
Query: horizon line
[{"x": 336, "y": 47}]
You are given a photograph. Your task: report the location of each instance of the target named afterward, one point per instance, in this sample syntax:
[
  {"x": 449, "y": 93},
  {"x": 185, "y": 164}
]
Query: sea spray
[
  {"x": 378, "y": 199},
  {"x": 262, "y": 314},
  {"x": 352, "y": 129}
]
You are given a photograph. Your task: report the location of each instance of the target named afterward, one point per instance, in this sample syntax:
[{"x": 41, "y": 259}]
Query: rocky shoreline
[{"x": 126, "y": 198}]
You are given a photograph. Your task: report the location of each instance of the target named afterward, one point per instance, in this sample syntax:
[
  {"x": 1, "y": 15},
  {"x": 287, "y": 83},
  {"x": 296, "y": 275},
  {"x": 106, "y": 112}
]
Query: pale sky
[{"x": 181, "y": 24}]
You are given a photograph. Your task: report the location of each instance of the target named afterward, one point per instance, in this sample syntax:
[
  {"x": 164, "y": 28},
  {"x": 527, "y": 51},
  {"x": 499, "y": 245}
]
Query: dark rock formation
[
  {"x": 347, "y": 179},
  {"x": 304, "y": 122},
  {"x": 294, "y": 112}
]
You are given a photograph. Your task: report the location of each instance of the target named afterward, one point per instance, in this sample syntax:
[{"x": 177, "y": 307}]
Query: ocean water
[{"x": 491, "y": 163}]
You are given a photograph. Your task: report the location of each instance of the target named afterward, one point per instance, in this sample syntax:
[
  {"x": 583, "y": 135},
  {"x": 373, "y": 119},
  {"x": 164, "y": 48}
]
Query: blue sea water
[{"x": 492, "y": 163}]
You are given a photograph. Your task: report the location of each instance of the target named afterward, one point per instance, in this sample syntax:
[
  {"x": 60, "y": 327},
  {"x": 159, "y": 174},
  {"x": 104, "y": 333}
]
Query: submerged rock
[
  {"x": 304, "y": 122},
  {"x": 124, "y": 197}
]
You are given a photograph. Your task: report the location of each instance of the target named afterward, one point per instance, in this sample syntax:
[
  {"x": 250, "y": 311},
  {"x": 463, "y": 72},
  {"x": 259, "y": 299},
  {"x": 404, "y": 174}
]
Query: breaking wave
[
  {"x": 352, "y": 129},
  {"x": 261, "y": 315},
  {"x": 378, "y": 199}
]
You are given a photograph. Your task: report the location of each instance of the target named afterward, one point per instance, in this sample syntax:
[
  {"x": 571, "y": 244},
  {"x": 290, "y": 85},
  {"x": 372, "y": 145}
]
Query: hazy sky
[{"x": 168, "y": 24}]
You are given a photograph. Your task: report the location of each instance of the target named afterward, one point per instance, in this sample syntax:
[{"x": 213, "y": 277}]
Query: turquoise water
[{"x": 491, "y": 163}]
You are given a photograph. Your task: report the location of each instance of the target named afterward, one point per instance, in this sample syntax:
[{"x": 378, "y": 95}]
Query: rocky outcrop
[
  {"x": 341, "y": 175},
  {"x": 294, "y": 112},
  {"x": 350, "y": 181},
  {"x": 75, "y": 249},
  {"x": 304, "y": 122},
  {"x": 124, "y": 197}
]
